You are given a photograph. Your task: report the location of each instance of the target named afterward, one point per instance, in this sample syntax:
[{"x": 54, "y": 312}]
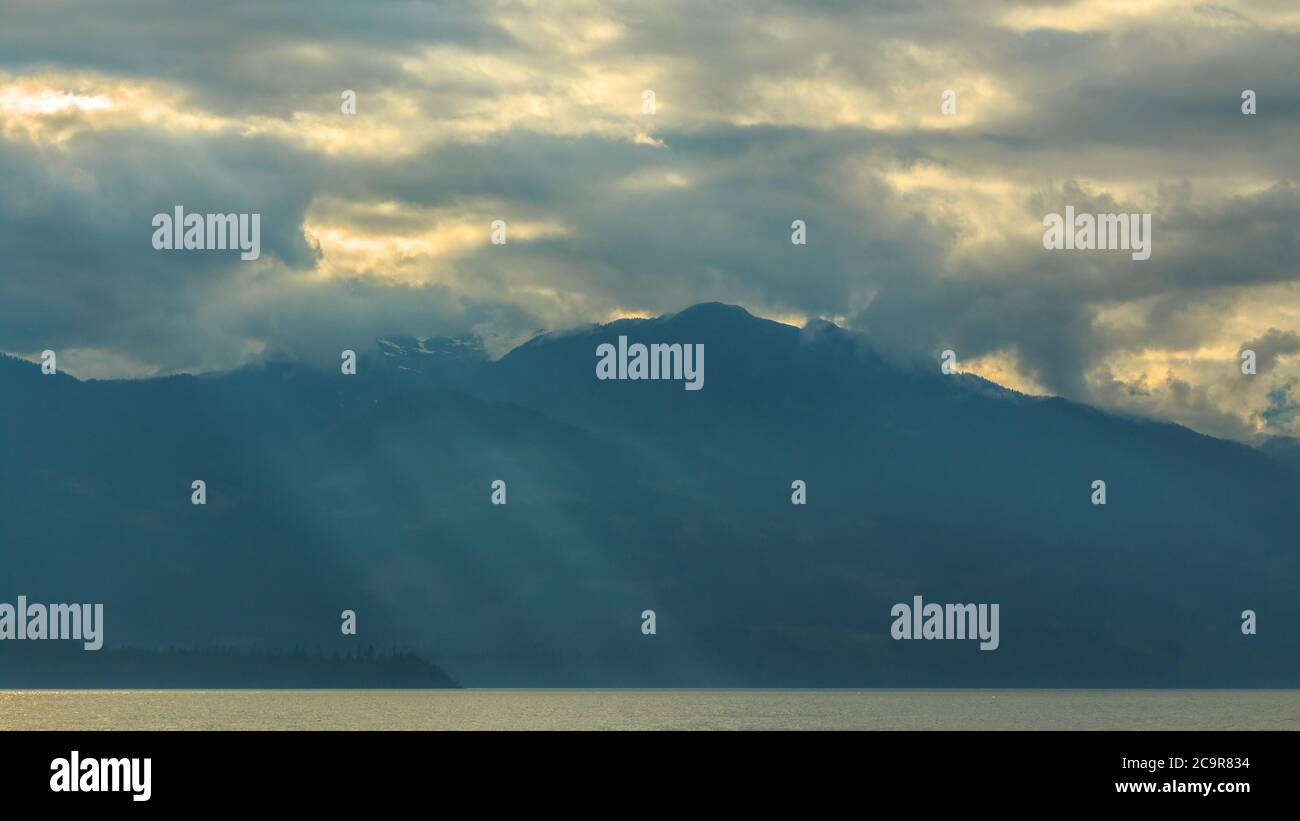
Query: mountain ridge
[{"x": 374, "y": 492}]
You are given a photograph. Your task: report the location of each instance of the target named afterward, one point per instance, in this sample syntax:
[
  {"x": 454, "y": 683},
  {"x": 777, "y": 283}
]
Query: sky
[{"x": 924, "y": 228}]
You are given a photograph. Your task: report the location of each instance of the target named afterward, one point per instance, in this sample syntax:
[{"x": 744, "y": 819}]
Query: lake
[{"x": 650, "y": 709}]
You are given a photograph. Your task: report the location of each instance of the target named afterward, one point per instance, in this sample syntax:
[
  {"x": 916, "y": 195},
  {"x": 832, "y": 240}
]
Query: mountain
[
  {"x": 373, "y": 493},
  {"x": 47, "y": 665},
  {"x": 1285, "y": 449},
  {"x": 450, "y": 360}
]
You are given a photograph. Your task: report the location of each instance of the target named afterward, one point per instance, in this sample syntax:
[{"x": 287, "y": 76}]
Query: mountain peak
[
  {"x": 469, "y": 348},
  {"x": 711, "y": 310}
]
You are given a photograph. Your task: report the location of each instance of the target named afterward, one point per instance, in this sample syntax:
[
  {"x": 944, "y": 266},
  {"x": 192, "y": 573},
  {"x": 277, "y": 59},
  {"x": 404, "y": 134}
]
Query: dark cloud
[
  {"x": 1282, "y": 409},
  {"x": 922, "y": 233},
  {"x": 1270, "y": 346}
]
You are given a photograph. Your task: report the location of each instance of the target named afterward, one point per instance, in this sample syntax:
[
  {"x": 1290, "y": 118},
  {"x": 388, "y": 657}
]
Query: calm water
[{"x": 651, "y": 709}]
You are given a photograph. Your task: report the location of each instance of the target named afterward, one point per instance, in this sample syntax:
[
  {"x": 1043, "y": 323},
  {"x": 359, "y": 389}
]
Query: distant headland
[{"x": 42, "y": 666}]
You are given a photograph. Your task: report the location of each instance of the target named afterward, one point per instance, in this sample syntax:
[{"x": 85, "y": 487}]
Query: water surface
[{"x": 650, "y": 709}]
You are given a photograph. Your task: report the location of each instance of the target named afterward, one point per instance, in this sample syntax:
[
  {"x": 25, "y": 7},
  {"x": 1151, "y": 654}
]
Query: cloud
[
  {"x": 1272, "y": 345},
  {"x": 1282, "y": 411},
  {"x": 924, "y": 229}
]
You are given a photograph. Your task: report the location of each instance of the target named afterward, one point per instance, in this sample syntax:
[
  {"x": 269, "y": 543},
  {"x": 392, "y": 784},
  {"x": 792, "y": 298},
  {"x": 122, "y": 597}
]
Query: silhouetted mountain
[
  {"x": 373, "y": 492},
  {"x": 1285, "y": 449},
  {"x": 51, "y": 665},
  {"x": 444, "y": 361}
]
